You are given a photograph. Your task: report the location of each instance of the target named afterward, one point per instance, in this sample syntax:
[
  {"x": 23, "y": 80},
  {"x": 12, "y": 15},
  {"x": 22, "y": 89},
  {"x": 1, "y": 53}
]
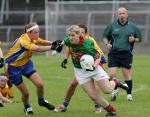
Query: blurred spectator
[{"x": 6, "y": 93}]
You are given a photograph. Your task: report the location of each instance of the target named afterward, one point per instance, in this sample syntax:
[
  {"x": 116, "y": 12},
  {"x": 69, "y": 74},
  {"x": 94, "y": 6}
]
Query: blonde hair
[{"x": 73, "y": 28}]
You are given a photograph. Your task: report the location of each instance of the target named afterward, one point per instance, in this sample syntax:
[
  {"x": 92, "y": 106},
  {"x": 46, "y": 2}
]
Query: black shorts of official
[{"x": 120, "y": 59}]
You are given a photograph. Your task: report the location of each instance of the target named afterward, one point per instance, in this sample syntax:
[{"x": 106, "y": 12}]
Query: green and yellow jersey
[
  {"x": 85, "y": 46},
  {"x": 95, "y": 44}
]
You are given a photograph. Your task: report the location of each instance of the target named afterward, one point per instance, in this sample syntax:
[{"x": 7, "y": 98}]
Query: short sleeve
[
  {"x": 40, "y": 41},
  {"x": 138, "y": 34},
  {"x": 107, "y": 32}
]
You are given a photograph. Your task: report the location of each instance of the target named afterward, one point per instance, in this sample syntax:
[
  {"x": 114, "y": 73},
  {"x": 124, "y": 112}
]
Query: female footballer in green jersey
[
  {"x": 80, "y": 46},
  {"x": 73, "y": 84}
]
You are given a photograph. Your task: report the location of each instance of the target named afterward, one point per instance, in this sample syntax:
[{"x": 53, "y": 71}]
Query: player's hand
[
  {"x": 108, "y": 46},
  {"x": 57, "y": 42},
  {"x": 103, "y": 59},
  {"x": 58, "y": 48},
  {"x": 131, "y": 38},
  {"x": 91, "y": 69},
  {"x": 56, "y": 45},
  {"x": 1, "y": 62},
  {"x": 64, "y": 63}
]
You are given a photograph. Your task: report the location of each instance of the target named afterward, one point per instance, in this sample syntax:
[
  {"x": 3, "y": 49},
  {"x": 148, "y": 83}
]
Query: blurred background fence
[{"x": 54, "y": 16}]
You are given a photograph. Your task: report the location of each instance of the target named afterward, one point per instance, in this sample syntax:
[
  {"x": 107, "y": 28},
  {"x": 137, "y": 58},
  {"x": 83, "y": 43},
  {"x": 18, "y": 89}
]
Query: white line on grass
[{"x": 139, "y": 88}]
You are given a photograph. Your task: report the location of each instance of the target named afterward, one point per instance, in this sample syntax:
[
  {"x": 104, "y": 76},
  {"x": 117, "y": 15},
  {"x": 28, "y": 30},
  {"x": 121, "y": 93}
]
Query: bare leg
[
  {"x": 69, "y": 93},
  {"x": 25, "y": 98},
  {"x": 36, "y": 80},
  {"x": 126, "y": 73},
  {"x": 90, "y": 90},
  {"x": 112, "y": 72},
  {"x": 106, "y": 85},
  {"x": 24, "y": 91},
  {"x": 71, "y": 89}
]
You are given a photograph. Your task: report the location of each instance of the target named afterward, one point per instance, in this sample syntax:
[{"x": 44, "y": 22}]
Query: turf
[{"x": 57, "y": 79}]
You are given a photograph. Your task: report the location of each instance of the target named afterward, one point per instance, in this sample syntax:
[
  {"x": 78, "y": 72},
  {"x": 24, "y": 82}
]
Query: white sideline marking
[{"x": 141, "y": 87}]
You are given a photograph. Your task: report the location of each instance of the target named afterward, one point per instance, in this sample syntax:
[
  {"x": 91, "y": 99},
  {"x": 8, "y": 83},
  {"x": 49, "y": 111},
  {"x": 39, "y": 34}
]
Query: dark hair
[
  {"x": 83, "y": 26},
  {"x": 29, "y": 26}
]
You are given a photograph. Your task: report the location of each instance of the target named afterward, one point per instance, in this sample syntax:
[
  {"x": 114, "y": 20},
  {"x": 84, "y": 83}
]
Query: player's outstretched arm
[{"x": 38, "y": 48}]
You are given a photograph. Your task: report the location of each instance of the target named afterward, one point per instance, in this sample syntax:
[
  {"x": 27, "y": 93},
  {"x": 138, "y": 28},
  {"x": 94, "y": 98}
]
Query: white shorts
[{"x": 83, "y": 76}]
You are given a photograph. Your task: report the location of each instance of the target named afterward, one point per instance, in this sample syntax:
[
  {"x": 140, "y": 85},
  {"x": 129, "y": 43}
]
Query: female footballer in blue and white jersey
[{"x": 20, "y": 64}]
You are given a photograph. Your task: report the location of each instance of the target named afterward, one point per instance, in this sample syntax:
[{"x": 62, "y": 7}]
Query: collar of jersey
[
  {"x": 122, "y": 24},
  {"x": 27, "y": 36}
]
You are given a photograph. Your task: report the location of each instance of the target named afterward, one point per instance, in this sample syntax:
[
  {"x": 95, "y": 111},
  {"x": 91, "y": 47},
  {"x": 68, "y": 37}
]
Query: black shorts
[{"x": 120, "y": 59}]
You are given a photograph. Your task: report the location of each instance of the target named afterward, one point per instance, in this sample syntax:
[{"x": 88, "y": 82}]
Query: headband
[{"x": 33, "y": 27}]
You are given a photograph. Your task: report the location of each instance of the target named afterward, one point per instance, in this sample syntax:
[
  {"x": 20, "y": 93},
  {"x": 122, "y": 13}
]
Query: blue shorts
[
  {"x": 120, "y": 59},
  {"x": 15, "y": 73}
]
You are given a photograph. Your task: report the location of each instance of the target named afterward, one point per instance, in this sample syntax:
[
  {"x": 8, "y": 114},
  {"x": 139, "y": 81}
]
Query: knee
[
  {"x": 112, "y": 75},
  {"x": 94, "y": 97},
  {"x": 40, "y": 85},
  {"x": 74, "y": 84},
  {"x": 25, "y": 94},
  {"x": 107, "y": 90}
]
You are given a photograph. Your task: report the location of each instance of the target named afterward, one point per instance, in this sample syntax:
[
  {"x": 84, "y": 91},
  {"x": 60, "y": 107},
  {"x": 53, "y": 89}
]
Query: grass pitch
[{"x": 57, "y": 79}]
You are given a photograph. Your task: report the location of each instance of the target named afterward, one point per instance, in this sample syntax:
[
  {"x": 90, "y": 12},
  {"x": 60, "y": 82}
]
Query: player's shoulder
[
  {"x": 112, "y": 24},
  {"x": 24, "y": 39},
  {"x": 89, "y": 37},
  {"x": 88, "y": 41},
  {"x": 132, "y": 23},
  {"x": 66, "y": 40},
  {"x": 115, "y": 22},
  {"x": 66, "y": 37}
]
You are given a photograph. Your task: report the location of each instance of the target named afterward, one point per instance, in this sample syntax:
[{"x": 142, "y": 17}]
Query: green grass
[{"x": 57, "y": 79}]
